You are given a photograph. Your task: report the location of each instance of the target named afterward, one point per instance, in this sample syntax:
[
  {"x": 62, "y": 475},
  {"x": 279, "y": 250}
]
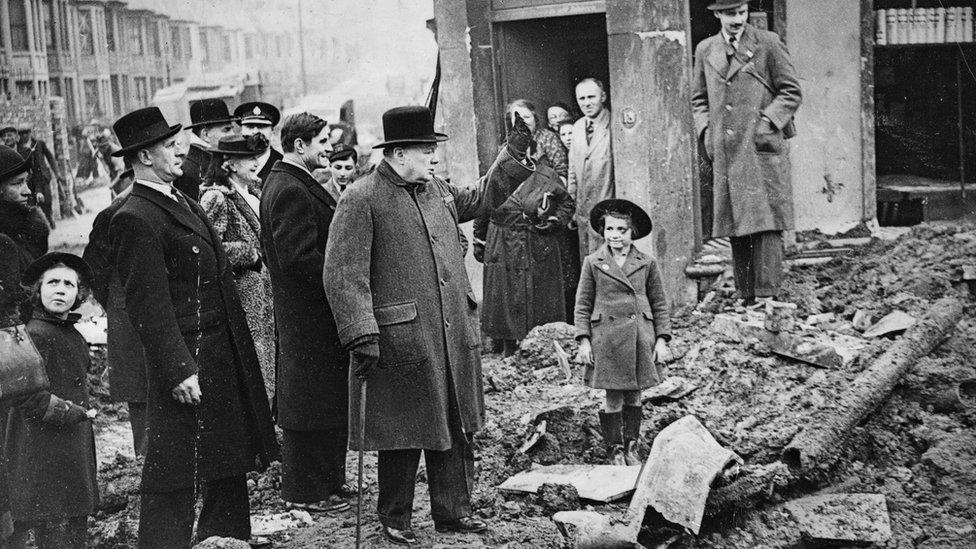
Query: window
[
  {"x": 93, "y": 106},
  {"x": 142, "y": 91},
  {"x": 176, "y": 42},
  {"x": 49, "y": 27},
  {"x": 110, "y": 30},
  {"x": 18, "y": 25},
  {"x": 69, "y": 97},
  {"x": 154, "y": 38},
  {"x": 86, "y": 34},
  {"x": 136, "y": 44},
  {"x": 64, "y": 26},
  {"x": 279, "y": 48},
  {"x": 225, "y": 43},
  {"x": 24, "y": 88},
  {"x": 249, "y": 47},
  {"x": 55, "y": 87},
  {"x": 204, "y": 46},
  {"x": 116, "y": 94}
]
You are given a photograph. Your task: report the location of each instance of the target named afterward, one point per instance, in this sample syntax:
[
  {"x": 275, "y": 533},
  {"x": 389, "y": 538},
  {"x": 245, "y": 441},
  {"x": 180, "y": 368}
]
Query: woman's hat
[
  {"x": 726, "y": 4},
  {"x": 257, "y": 113},
  {"x": 42, "y": 264},
  {"x": 141, "y": 128},
  {"x": 207, "y": 112},
  {"x": 11, "y": 163},
  {"x": 409, "y": 125},
  {"x": 639, "y": 220},
  {"x": 241, "y": 146},
  {"x": 6, "y": 129},
  {"x": 341, "y": 151}
]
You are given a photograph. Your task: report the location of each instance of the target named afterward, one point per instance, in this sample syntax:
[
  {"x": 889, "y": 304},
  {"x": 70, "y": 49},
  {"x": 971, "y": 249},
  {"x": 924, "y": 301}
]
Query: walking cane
[{"x": 362, "y": 442}]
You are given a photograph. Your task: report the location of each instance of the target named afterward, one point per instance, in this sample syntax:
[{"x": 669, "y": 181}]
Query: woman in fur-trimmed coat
[{"x": 233, "y": 211}]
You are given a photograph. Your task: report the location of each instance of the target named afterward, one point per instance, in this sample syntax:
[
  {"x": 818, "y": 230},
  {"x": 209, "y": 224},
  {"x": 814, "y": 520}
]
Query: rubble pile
[{"x": 910, "y": 467}]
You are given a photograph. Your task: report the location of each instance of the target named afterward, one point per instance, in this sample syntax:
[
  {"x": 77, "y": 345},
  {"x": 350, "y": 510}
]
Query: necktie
[
  {"x": 733, "y": 41},
  {"x": 182, "y": 201},
  {"x": 589, "y": 131}
]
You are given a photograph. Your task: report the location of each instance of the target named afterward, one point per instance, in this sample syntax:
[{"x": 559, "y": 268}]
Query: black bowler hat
[
  {"x": 141, "y": 128},
  {"x": 409, "y": 125},
  {"x": 341, "y": 151},
  {"x": 241, "y": 146},
  {"x": 40, "y": 265},
  {"x": 640, "y": 222},
  {"x": 11, "y": 163},
  {"x": 207, "y": 112},
  {"x": 726, "y": 4},
  {"x": 257, "y": 113}
]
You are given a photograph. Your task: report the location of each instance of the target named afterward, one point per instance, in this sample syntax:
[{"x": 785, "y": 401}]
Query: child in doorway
[
  {"x": 623, "y": 323},
  {"x": 49, "y": 443}
]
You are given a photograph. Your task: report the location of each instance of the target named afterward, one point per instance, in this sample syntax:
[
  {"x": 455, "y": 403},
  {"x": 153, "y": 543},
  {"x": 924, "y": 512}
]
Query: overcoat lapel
[
  {"x": 246, "y": 211},
  {"x": 600, "y": 132},
  {"x": 717, "y": 56},
  {"x": 605, "y": 264},
  {"x": 745, "y": 53},
  {"x": 310, "y": 182},
  {"x": 175, "y": 210},
  {"x": 636, "y": 260}
]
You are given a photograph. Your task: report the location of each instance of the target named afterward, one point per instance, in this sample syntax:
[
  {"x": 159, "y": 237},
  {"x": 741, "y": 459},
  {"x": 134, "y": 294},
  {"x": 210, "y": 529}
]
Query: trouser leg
[
  {"x": 68, "y": 533},
  {"x": 767, "y": 263},
  {"x": 226, "y": 509},
  {"x": 166, "y": 519},
  {"x": 313, "y": 464},
  {"x": 450, "y": 475},
  {"x": 397, "y": 474},
  {"x": 742, "y": 270},
  {"x": 137, "y": 419},
  {"x": 584, "y": 239}
]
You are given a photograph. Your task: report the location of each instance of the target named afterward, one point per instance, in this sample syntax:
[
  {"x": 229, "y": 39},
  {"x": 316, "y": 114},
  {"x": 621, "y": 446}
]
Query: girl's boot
[
  {"x": 632, "y": 417},
  {"x": 611, "y": 423}
]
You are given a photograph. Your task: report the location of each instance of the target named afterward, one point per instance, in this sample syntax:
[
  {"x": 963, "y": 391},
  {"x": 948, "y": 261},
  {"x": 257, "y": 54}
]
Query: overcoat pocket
[
  {"x": 401, "y": 342},
  {"x": 769, "y": 142},
  {"x": 473, "y": 332}
]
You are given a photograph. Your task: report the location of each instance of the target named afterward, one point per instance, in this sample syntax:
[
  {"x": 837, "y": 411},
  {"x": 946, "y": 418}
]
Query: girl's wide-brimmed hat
[
  {"x": 640, "y": 221},
  {"x": 40, "y": 265}
]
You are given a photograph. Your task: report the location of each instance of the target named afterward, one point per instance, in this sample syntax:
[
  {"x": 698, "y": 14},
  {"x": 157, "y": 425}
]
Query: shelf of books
[{"x": 913, "y": 26}]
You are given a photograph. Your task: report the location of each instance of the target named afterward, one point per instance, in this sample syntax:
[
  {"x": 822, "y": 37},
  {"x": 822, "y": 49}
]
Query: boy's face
[
  {"x": 344, "y": 171},
  {"x": 59, "y": 290},
  {"x": 617, "y": 232}
]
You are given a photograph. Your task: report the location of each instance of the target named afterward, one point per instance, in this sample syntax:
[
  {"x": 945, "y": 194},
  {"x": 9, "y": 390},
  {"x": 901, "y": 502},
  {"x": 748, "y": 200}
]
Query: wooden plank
[
  {"x": 654, "y": 149},
  {"x": 483, "y": 76},
  {"x": 585, "y": 7},
  {"x": 869, "y": 182},
  {"x": 593, "y": 482}
]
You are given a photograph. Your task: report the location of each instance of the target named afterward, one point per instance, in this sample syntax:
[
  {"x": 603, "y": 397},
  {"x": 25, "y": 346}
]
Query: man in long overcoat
[
  {"x": 126, "y": 358},
  {"x": 395, "y": 277},
  {"x": 209, "y": 419},
  {"x": 590, "y": 160},
  {"x": 745, "y": 94},
  {"x": 312, "y": 366}
]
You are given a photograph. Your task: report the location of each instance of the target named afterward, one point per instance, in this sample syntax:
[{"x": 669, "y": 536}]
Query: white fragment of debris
[
  {"x": 265, "y": 525},
  {"x": 593, "y": 482},
  {"x": 94, "y": 330},
  {"x": 859, "y": 518},
  {"x": 895, "y": 322}
]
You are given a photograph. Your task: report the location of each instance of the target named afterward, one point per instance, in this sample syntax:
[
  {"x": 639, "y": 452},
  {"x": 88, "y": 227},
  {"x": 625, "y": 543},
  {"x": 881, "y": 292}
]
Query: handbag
[{"x": 21, "y": 366}]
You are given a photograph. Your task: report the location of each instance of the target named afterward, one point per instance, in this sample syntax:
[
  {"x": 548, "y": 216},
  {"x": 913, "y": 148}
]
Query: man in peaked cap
[
  {"x": 209, "y": 422},
  {"x": 395, "y": 277},
  {"x": 257, "y": 117},
  {"x": 744, "y": 96},
  {"x": 209, "y": 122}
]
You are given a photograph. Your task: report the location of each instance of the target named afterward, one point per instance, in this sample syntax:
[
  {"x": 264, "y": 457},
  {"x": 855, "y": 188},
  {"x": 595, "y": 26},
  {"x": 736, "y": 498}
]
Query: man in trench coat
[
  {"x": 745, "y": 95},
  {"x": 209, "y": 422},
  {"x": 590, "y": 160},
  {"x": 395, "y": 277},
  {"x": 311, "y": 365}
]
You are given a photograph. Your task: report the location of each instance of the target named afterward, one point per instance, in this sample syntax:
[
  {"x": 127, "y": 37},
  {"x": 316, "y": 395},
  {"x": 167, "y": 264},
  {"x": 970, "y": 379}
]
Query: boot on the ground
[
  {"x": 611, "y": 423},
  {"x": 632, "y": 417}
]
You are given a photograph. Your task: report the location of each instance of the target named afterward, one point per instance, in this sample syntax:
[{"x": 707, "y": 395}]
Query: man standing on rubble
[
  {"x": 740, "y": 72},
  {"x": 395, "y": 277}
]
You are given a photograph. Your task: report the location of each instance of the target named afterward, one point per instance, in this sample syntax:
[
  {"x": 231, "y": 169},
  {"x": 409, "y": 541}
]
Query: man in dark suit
[
  {"x": 744, "y": 96},
  {"x": 208, "y": 420},
  {"x": 43, "y": 165},
  {"x": 126, "y": 358},
  {"x": 257, "y": 117},
  {"x": 311, "y": 392},
  {"x": 209, "y": 122}
]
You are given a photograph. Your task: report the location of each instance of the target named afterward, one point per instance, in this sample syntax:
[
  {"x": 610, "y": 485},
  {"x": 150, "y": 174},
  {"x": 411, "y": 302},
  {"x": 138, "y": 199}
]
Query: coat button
[
  {"x": 605, "y": 267},
  {"x": 730, "y": 132},
  {"x": 632, "y": 317},
  {"x": 78, "y": 381},
  {"x": 443, "y": 282},
  {"x": 195, "y": 249},
  {"x": 728, "y": 107}
]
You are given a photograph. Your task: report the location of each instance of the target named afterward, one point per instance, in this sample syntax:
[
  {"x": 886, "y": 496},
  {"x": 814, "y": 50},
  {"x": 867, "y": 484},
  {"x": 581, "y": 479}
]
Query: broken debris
[
  {"x": 843, "y": 517},
  {"x": 593, "y": 482},
  {"x": 671, "y": 389},
  {"x": 891, "y": 325}
]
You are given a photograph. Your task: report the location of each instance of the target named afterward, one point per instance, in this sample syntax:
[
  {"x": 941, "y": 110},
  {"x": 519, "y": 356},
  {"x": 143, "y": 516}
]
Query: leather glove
[
  {"x": 365, "y": 357},
  {"x": 519, "y": 138},
  {"x": 479, "y": 250}
]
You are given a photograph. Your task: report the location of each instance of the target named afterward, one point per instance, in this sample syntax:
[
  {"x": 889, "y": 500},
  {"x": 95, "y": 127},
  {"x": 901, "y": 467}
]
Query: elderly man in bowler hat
[
  {"x": 209, "y": 419},
  {"x": 209, "y": 122},
  {"x": 744, "y": 96},
  {"x": 395, "y": 277},
  {"x": 257, "y": 117}
]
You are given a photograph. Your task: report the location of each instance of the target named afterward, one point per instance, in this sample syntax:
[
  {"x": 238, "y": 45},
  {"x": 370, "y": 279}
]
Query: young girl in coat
[
  {"x": 623, "y": 323},
  {"x": 49, "y": 443}
]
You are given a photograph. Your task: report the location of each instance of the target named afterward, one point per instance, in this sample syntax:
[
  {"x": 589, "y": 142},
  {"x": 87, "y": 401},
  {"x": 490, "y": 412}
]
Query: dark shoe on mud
[
  {"x": 630, "y": 453},
  {"x": 260, "y": 542},
  {"x": 400, "y": 537},
  {"x": 464, "y": 525}
]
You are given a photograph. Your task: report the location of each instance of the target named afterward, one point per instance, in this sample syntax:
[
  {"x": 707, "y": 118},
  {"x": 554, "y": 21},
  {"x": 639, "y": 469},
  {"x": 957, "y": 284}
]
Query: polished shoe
[
  {"x": 466, "y": 525},
  {"x": 330, "y": 505},
  {"x": 400, "y": 537},
  {"x": 260, "y": 542}
]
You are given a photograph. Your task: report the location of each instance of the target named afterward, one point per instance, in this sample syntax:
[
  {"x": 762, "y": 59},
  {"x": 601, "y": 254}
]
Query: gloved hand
[
  {"x": 519, "y": 138},
  {"x": 546, "y": 225},
  {"x": 365, "y": 357},
  {"x": 479, "y": 250}
]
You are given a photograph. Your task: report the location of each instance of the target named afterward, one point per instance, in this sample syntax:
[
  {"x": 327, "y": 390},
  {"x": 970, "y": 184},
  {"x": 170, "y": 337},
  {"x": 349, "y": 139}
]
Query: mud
[{"x": 752, "y": 401}]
